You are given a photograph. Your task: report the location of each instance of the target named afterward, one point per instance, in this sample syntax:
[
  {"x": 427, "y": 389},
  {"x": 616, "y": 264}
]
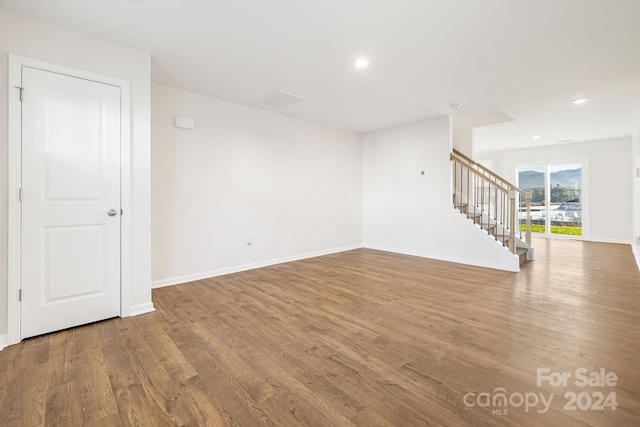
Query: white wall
[
  {"x": 463, "y": 128},
  {"x": 36, "y": 39},
  {"x": 410, "y": 213},
  {"x": 636, "y": 191},
  {"x": 292, "y": 186},
  {"x": 606, "y": 178}
]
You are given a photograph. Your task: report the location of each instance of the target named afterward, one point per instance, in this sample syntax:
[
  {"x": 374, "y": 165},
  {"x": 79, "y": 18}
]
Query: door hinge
[
  {"x": 21, "y": 92},
  {"x": 121, "y": 212},
  {"x": 20, "y": 194},
  {"x": 20, "y": 295}
]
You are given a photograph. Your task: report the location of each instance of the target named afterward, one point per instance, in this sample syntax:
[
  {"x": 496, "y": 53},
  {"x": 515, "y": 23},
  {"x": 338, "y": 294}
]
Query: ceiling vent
[{"x": 281, "y": 99}]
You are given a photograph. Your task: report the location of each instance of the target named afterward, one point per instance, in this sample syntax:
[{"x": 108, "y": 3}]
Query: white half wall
[
  {"x": 291, "y": 186},
  {"x": 606, "y": 178},
  {"x": 411, "y": 213},
  {"x": 37, "y": 39}
]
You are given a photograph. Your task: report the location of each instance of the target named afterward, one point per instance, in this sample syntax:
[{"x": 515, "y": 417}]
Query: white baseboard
[
  {"x": 636, "y": 252},
  {"x": 3, "y": 341},
  {"x": 605, "y": 240},
  {"x": 583, "y": 238},
  {"x": 136, "y": 310},
  {"x": 245, "y": 267},
  {"x": 515, "y": 268}
]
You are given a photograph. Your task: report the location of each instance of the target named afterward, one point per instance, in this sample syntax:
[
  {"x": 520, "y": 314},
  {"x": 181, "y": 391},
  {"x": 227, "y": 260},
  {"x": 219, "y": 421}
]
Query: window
[{"x": 556, "y": 198}]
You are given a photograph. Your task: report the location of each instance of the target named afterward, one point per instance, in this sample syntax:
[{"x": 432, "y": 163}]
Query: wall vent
[{"x": 281, "y": 99}]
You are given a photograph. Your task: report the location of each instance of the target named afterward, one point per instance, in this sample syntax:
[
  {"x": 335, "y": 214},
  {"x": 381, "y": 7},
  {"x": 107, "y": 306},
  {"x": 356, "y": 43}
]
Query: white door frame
[
  {"x": 16, "y": 63},
  {"x": 584, "y": 195}
]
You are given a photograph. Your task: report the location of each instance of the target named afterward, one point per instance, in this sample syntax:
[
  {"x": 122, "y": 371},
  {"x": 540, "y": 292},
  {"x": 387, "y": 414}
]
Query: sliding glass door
[{"x": 556, "y": 202}]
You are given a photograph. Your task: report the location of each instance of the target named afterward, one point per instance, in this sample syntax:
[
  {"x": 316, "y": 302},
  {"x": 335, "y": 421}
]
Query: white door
[{"x": 70, "y": 273}]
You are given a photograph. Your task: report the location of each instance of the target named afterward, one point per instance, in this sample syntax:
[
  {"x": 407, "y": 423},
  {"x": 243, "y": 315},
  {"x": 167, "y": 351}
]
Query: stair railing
[{"x": 490, "y": 200}]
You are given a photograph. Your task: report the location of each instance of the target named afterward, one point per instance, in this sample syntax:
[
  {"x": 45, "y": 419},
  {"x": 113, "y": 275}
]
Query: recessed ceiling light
[
  {"x": 456, "y": 106},
  {"x": 564, "y": 140},
  {"x": 535, "y": 137},
  {"x": 361, "y": 63},
  {"x": 579, "y": 101}
]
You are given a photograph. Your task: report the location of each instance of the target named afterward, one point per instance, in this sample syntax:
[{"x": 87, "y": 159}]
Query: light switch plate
[{"x": 184, "y": 123}]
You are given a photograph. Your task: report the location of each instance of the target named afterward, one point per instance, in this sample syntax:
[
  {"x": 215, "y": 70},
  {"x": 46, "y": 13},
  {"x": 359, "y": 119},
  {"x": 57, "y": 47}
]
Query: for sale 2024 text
[{"x": 584, "y": 400}]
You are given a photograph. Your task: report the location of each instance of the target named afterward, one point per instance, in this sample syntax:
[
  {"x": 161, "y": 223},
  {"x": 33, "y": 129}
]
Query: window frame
[{"x": 584, "y": 199}]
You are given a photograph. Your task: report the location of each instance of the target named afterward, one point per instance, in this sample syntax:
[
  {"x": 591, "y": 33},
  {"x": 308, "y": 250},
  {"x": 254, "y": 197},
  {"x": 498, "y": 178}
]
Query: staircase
[{"x": 496, "y": 206}]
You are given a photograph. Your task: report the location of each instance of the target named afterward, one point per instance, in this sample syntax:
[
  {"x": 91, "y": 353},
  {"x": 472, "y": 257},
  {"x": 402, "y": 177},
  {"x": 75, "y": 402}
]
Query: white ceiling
[{"x": 528, "y": 58}]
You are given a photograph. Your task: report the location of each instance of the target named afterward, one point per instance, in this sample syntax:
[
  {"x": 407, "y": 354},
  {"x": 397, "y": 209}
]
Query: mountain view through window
[{"x": 556, "y": 198}]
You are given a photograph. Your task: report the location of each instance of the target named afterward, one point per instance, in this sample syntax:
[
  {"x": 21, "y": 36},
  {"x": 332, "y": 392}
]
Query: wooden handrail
[
  {"x": 505, "y": 187},
  {"x": 502, "y": 181},
  {"x": 484, "y": 178}
]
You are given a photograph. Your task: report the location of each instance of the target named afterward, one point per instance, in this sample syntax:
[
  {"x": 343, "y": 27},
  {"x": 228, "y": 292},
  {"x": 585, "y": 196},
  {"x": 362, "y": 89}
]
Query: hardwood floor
[{"x": 362, "y": 338}]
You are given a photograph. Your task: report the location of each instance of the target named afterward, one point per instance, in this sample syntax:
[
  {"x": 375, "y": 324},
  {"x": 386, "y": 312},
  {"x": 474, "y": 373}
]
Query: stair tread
[
  {"x": 486, "y": 226},
  {"x": 485, "y": 212}
]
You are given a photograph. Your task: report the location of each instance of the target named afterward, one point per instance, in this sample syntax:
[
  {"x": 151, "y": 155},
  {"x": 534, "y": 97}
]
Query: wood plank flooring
[{"x": 361, "y": 338}]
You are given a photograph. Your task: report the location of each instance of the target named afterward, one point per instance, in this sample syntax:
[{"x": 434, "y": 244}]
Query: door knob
[{"x": 112, "y": 212}]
